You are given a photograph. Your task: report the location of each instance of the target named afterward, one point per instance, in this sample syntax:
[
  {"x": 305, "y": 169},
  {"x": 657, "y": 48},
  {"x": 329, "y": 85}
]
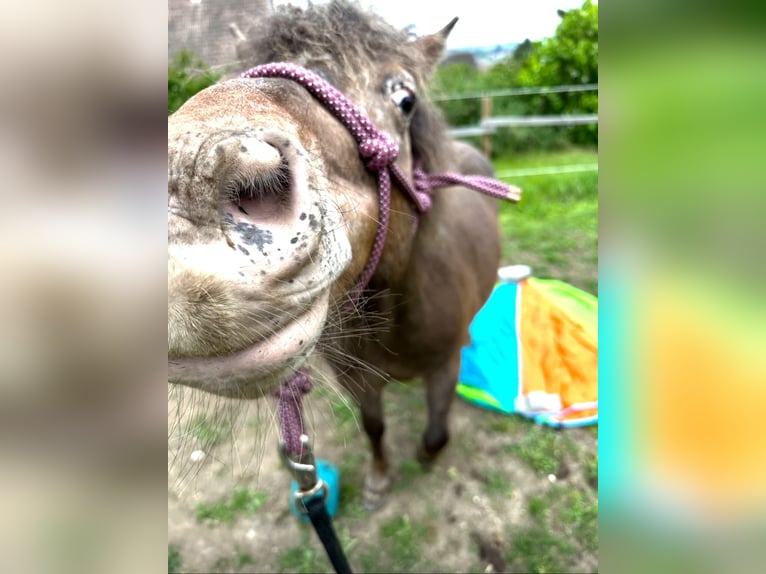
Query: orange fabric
[
  {"x": 701, "y": 397},
  {"x": 558, "y": 355}
]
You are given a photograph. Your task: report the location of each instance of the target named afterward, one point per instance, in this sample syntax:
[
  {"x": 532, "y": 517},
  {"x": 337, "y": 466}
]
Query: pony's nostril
[{"x": 260, "y": 184}]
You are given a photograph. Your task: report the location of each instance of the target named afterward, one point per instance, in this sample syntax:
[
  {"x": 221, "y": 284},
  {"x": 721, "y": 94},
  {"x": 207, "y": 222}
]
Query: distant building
[
  {"x": 202, "y": 27},
  {"x": 481, "y": 57},
  {"x": 462, "y": 57}
]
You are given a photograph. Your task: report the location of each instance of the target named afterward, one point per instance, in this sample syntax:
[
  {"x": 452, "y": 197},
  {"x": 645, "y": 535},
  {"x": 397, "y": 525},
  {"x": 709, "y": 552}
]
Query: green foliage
[
  {"x": 458, "y": 79},
  {"x": 187, "y": 75},
  {"x": 568, "y": 57}
]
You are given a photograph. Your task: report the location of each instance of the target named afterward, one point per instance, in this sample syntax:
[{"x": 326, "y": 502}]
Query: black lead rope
[
  {"x": 323, "y": 526},
  {"x": 310, "y": 499}
]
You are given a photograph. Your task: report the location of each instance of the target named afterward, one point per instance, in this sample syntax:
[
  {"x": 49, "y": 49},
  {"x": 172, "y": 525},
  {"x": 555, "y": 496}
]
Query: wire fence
[
  {"x": 515, "y": 92},
  {"x": 488, "y": 124},
  {"x": 548, "y": 170}
]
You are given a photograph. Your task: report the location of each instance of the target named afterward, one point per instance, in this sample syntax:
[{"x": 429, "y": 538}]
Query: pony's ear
[{"x": 432, "y": 46}]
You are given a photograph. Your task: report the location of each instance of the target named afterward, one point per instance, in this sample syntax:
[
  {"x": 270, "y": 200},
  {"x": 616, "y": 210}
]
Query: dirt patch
[{"x": 506, "y": 495}]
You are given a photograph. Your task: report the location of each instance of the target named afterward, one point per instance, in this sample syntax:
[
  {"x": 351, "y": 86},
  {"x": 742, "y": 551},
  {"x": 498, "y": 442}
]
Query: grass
[
  {"x": 540, "y": 448},
  {"x": 554, "y": 229},
  {"x": 343, "y": 412},
  {"x": 409, "y": 470},
  {"x": 303, "y": 559},
  {"x": 591, "y": 469},
  {"x": 174, "y": 559},
  {"x": 497, "y": 483},
  {"x": 536, "y": 550},
  {"x": 309, "y": 557},
  {"x": 580, "y": 519},
  {"x": 401, "y": 547},
  {"x": 243, "y": 559},
  {"x": 209, "y": 433},
  {"x": 242, "y": 501},
  {"x": 564, "y": 521}
]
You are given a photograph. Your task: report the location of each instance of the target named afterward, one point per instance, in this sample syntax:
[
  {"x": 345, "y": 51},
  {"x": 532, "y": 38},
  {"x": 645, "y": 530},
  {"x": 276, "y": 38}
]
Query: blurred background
[{"x": 82, "y": 303}]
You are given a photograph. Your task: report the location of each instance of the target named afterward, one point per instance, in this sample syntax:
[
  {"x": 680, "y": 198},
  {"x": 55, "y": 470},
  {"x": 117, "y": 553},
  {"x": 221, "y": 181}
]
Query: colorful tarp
[{"x": 534, "y": 352}]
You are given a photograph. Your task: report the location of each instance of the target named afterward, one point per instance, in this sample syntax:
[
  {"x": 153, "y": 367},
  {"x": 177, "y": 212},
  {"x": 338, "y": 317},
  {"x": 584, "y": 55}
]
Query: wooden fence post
[{"x": 486, "y": 113}]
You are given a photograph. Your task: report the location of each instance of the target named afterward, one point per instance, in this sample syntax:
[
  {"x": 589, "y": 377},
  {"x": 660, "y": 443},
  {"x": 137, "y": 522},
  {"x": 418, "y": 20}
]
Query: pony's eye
[{"x": 405, "y": 98}]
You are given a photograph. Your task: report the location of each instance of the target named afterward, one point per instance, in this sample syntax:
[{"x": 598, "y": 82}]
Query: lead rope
[
  {"x": 297, "y": 455},
  {"x": 379, "y": 152}
]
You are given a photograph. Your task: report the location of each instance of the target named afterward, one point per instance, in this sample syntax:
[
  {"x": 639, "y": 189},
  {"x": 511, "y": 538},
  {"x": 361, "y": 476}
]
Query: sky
[{"x": 483, "y": 23}]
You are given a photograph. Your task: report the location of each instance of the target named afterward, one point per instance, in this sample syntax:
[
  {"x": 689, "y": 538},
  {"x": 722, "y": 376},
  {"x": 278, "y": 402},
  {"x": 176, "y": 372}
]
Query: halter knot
[
  {"x": 378, "y": 151},
  {"x": 289, "y": 396},
  {"x": 423, "y": 188},
  {"x": 297, "y": 385}
]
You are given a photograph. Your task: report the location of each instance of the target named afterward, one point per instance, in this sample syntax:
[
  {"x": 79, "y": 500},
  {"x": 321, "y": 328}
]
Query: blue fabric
[
  {"x": 331, "y": 476},
  {"x": 485, "y": 362}
]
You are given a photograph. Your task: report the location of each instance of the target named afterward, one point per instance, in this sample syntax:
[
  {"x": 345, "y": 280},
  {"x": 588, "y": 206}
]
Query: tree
[
  {"x": 570, "y": 56},
  {"x": 458, "y": 78},
  {"x": 186, "y": 77}
]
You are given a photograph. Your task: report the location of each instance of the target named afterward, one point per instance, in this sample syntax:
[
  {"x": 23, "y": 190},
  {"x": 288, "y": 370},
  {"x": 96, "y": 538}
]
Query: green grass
[
  {"x": 242, "y": 501},
  {"x": 401, "y": 547},
  {"x": 579, "y": 517},
  {"x": 540, "y": 448},
  {"x": 304, "y": 559},
  {"x": 403, "y": 538},
  {"x": 591, "y": 469},
  {"x": 243, "y": 559},
  {"x": 409, "y": 470},
  {"x": 554, "y": 228},
  {"x": 174, "y": 559},
  {"x": 309, "y": 557},
  {"x": 537, "y": 508},
  {"x": 498, "y": 483},
  {"x": 209, "y": 433},
  {"x": 572, "y": 514},
  {"x": 344, "y": 412},
  {"x": 501, "y": 423},
  {"x": 536, "y": 550}
]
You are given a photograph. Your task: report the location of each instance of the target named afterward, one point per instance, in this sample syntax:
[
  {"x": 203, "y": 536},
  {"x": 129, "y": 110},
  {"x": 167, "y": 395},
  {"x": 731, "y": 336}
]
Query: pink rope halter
[{"x": 378, "y": 151}]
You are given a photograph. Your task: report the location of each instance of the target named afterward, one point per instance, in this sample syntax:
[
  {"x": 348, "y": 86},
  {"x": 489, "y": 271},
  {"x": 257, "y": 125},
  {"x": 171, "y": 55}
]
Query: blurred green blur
[{"x": 681, "y": 229}]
